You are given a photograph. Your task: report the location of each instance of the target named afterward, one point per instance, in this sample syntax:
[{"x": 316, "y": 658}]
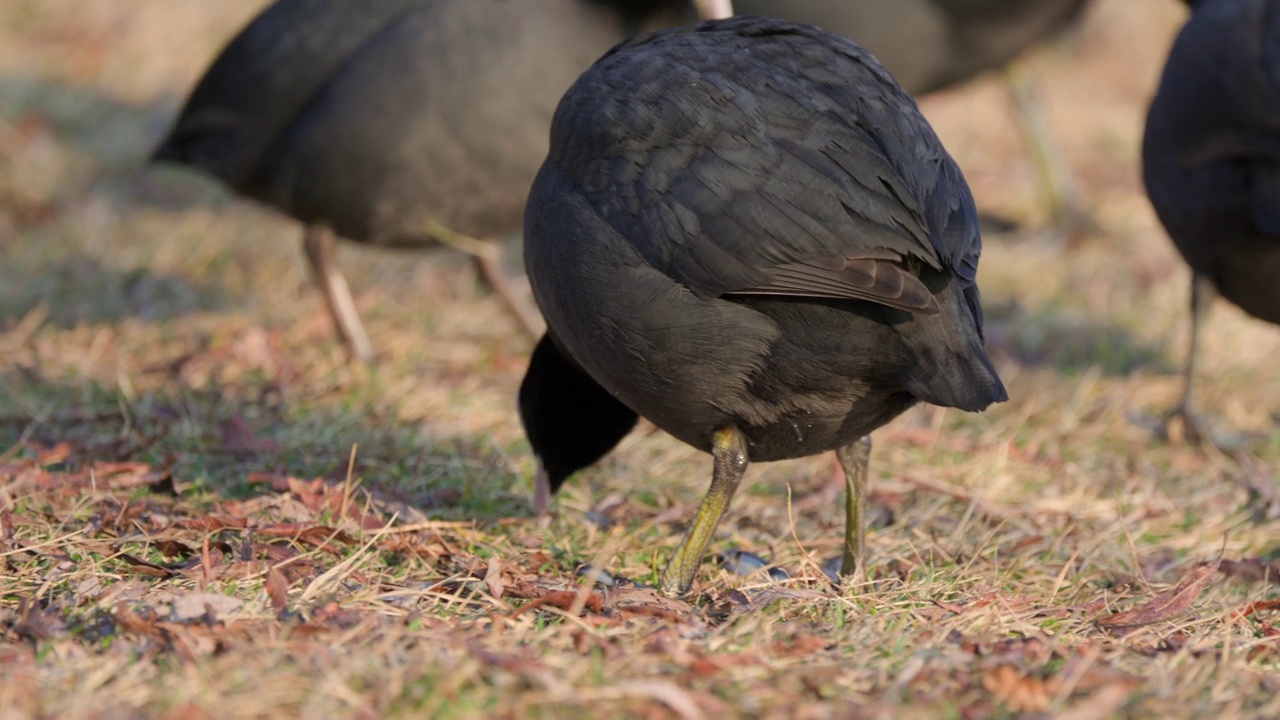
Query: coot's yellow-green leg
[
  {"x": 854, "y": 459},
  {"x": 729, "y": 456}
]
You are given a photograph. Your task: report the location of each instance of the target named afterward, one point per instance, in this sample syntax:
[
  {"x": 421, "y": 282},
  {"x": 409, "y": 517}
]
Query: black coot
[
  {"x": 1211, "y": 163},
  {"x": 400, "y": 123},
  {"x": 930, "y": 45},
  {"x": 748, "y": 234}
]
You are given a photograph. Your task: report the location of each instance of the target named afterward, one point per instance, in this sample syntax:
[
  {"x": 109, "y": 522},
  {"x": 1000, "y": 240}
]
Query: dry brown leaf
[
  {"x": 1167, "y": 604},
  {"x": 34, "y": 623},
  {"x": 493, "y": 578},
  {"x": 1103, "y": 702},
  {"x": 130, "y": 621},
  {"x": 126, "y": 475},
  {"x": 277, "y": 591},
  {"x": 1254, "y": 607},
  {"x": 142, "y": 567},
  {"x": 563, "y": 600},
  {"x": 1253, "y": 569},
  {"x": 801, "y": 644},
  {"x": 188, "y": 711},
  {"x": 173, "y": 548},
  {"x": 321, "y": 497},
  {"x": 429, "y": 549},
  {"x": 1021, "y": 693},
  {"x": 278, "y": 483},
  {"x": 320, "y": 537},
  {"x": 52, "y": 455},
  {"x": 333, "y": 614},
  {"x": 212, "y": 523}
]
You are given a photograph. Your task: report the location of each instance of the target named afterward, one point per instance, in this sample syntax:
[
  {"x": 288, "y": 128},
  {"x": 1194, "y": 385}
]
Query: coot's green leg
[
  {"x": 729, "y": 456},
  {"x": 855, "y": 459}
]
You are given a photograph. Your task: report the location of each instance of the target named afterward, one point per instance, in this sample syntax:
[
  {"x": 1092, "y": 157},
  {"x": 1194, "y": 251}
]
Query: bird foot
[
  {"x": 1187, "y": 426},
  {"x": 744, "y": 563},
  {"x": 1260, "y": 482},
  {"x": 604, "y": 578}
]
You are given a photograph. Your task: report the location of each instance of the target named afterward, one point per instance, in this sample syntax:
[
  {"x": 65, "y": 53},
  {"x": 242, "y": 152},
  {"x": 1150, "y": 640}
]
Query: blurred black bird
[
  {"x": 748, "y": 234},
  {"x": 1211, "y": 163},
  {"x": 399, "y": 123},
  {"x": 930, "y": 45}
]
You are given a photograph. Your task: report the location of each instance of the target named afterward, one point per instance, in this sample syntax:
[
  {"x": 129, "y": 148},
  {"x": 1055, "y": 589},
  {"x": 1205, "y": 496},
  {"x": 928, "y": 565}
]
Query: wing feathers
[{"x": 876, "y": 280}]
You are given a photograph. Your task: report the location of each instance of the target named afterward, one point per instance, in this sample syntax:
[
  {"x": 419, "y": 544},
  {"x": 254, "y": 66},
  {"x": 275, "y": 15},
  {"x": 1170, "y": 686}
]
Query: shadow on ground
[
  {"x": 1069, "y": 342},
  {"x": 82, "y": 290},
  {"x": 231, "y": 441}
]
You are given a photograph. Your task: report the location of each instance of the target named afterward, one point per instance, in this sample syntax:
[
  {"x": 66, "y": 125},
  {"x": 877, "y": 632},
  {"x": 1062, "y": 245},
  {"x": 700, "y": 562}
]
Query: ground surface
[{"x": 204, "y": 512}]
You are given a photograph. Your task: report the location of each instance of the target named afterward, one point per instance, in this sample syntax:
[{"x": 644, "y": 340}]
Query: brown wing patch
[{"x": 872, "y": 279}]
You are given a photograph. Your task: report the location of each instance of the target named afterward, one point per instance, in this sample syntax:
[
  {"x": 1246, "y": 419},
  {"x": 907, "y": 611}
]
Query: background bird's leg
[
  {"x": 491, "y": 269},
  {"x": 1064, "y": 202},
  {"x": 715, "y": 9},
  {"x": 855, "y": 458},
  {"x": 1193, "y": 426},
  {"x": 318, "y": 243},
  {"x": 729, "y": 456},
  {"x": 488, "y": 259},
  {"x": 541, "y": 491}
]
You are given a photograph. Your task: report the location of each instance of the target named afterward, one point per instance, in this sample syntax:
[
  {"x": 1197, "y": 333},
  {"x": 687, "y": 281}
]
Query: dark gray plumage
[
  {"x": 398, "y": 123},
  {"x": 749, "y": 235},
  {"x": 928, "y": 45},
  {"x": 1211, "y": 162}
]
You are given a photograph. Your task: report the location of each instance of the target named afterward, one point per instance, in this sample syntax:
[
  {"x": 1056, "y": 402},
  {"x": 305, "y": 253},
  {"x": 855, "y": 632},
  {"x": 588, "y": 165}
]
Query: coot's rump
[
  {"x": 748, "y": 234},
  {"x": 1211, "y": 162},
  {"x": 395, "y": 122}
]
